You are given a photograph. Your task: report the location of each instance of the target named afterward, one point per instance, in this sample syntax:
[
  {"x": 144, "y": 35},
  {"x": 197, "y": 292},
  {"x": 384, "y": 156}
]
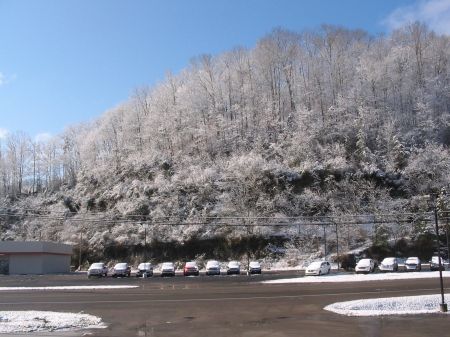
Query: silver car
[
  {"x": 97, "y": 269},
  {"x": 413, "y": 264},
  {"x": 389, "y": 264},
  {"x": 144, "y": 269}
]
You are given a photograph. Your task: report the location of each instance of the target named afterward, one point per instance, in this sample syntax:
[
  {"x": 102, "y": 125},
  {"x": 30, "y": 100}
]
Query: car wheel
[
  {"x": 329, "y": 271},
  {"x": 89, "y": 276},
  {"x": 320, "y": 272}
]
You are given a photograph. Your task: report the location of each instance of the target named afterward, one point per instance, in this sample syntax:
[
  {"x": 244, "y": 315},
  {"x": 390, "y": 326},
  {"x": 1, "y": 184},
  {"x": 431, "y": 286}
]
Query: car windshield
[
  {"x": 191, "y": 264},
  {"x": 254, "y": 264},
  {"x": 388, "y": 260},
  {"x": 364, "y": 262},
  {"x": 233, "y": 264},
  {"x": 121, "y": 266},
  {"x": 435, "y": 259},
  {"x": 97, "y": 265},
  {"x": 315, "y": 265},
  {"x": 213, "y": 264},
  {"x": 167, "y": 265},
  {"x": 144, "y": 266},
  {"x": 412, "y": 260}
]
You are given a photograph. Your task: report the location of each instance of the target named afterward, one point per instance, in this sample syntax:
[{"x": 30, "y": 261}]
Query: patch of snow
[
  {"x": 344, "y": 277},
  {"x": 66, "y": 288},
  {"x": 408, "y": 305},
  {"x": 33, "y": 321}
]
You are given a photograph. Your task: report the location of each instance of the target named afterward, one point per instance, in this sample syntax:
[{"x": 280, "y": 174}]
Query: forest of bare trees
[{"x": 329, "y": 121}]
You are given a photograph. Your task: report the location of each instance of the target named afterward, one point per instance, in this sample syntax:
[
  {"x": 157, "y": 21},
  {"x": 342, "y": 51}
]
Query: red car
[{"x": 191, "y": 268}]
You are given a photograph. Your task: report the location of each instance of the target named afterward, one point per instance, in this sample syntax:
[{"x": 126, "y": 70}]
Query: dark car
[
  {"x": 121, "y": 269},
  {"x": 97, "y": 269},
  {"x": 434, "y": 263},
  {"x": 144, "y": 269},
  {"x": 191, "y": 268}
]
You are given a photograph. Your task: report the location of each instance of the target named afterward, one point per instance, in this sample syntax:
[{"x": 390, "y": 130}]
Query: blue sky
[{"x": 65, "y": 62}]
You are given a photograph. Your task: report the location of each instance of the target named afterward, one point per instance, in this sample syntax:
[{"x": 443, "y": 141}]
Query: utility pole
[{"x": 79, "y": 257}]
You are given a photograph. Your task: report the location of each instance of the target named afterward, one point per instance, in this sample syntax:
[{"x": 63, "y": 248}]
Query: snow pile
[
  {"x": 389, "y": 306},
  {"x": 32, "y": 321},
  {"x": 344, "y": 277}
]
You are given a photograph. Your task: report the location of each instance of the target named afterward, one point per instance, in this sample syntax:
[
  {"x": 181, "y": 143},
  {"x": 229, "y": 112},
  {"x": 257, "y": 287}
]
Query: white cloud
[
  {"x": 42, "y": 137},
  {"x": 3, "y": 132},
  {"x": 1, "y": 78},
  {"x": 433, "y": 12}
]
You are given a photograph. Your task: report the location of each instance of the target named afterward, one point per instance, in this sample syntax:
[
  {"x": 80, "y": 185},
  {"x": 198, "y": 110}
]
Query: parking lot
[{"x": 223, "y": 305}]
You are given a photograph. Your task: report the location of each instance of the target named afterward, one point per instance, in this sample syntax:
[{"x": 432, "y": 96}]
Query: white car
[
  {"x": 389, "y": 264},
  {"x": 318, "y": 268},
  {"x": 233, "y": 267},
  {"x": 168, "y": 268},
  {"x": 213, "y": 268},
  {"x": 254, "y": 267},
  {"x": 365, "y": 266}
]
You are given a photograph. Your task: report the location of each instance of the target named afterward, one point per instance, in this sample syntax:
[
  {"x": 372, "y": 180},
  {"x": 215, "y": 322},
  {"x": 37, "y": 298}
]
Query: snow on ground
[
  {"x": 66, "y": 288},
  {"x": 34, "y": 321},
  {"x": 345, "y": 277},
  {"x": 407, "y": 305}
]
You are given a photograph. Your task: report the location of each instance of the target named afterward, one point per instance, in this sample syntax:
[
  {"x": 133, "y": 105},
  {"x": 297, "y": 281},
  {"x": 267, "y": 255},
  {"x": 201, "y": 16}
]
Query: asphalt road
[{"x": 223, "y": 306}]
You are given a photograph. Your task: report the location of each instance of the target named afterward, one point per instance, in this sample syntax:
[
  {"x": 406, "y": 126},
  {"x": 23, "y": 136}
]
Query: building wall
[
  {"x": 42, "y": 257},
  {"x": 56, "y": 263},
  {"x": 26, "y": 264}
]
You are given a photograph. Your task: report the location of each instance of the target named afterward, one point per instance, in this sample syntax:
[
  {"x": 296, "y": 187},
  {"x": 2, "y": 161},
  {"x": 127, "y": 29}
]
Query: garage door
[{"x": 4, "y": 264}]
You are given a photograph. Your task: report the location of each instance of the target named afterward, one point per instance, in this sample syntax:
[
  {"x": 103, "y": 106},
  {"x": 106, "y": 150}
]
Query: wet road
[{"x": 223, "y": 306}]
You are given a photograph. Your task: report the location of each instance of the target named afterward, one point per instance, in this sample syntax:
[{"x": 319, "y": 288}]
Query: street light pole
[
  {"x": 337, "y": 246},
  {"x": 443, "y": 305}
]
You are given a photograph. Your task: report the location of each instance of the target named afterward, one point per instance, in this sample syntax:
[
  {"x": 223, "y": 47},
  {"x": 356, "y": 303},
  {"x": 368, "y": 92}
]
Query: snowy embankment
[{"x": 407, "y": 305}]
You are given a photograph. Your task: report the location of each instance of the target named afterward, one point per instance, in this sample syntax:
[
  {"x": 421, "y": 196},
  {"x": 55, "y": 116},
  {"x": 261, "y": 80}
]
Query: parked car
[
  {"x": 213, "y": 268},
  {"x": 413, "y": 264},
  {"x": 254, "y": 267},
  {"x": 233, "y": 267},
  {"x": 121, "y": 269},
  {"x": 389, "y": 264},
  {"x": 347, "y": 261},
  {"x": 365, "y": 266},
  {"x": 318, "y": 268},
  {"x": 168, "y": 268},
  {"x": 144, "y": 269},
  {"x": 191, "y": 268},
  {"x": 434, "y": 263},
  {"x": 97, "y": 269}
]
